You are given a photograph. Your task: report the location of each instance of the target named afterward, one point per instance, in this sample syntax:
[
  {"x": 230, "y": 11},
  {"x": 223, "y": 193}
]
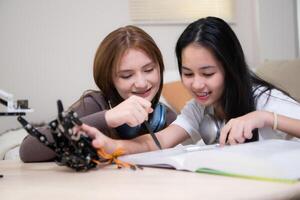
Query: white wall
[
  {"x": 278, "y": 29},
  {"x": 298, "y": 24},
  {"x": 47, "y": 47},
  {"x": 246, "y": 30}
]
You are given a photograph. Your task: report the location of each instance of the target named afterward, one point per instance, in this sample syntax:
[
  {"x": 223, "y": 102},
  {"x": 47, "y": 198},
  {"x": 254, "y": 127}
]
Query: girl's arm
[
  {"x": 93, "y": 110},
  {"x": 288, "y": 125},
  {"x": 32, "y": 150},
  {"x": 168, "y": 137},
  {"x": 239, "y": 129}
]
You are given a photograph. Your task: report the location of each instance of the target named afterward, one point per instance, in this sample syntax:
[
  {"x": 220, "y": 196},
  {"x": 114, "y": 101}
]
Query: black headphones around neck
[{"x": 156, "y": 122}]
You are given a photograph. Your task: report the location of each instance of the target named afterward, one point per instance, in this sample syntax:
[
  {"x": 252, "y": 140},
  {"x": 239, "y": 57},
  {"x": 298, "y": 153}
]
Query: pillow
[
  {"x": 13, "y": 154},
  {"x": 11, "y": 139},
  {"x": 176, "y": 95},
  {"x": 282, "y": 73}
]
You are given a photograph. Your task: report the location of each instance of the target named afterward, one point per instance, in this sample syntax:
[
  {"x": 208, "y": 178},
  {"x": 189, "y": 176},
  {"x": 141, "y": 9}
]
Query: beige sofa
[{"x": 283, "y": 74}]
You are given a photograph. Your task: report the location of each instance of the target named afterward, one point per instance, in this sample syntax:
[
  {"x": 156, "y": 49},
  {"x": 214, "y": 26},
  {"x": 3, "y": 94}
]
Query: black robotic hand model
[{"x": 72, "y": 149}]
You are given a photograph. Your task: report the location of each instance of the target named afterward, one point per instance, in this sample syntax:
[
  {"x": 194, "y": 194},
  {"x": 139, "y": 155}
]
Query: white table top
[{"x": 49, "y": 181}]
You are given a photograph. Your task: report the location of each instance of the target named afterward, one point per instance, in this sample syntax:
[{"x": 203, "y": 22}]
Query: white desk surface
[{"x": 49, "y": 181}]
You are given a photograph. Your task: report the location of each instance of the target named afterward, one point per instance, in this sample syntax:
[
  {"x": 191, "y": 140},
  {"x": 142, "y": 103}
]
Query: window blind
[{"x": 179, "y": 11}]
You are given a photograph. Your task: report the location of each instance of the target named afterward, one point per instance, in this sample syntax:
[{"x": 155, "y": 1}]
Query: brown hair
[{"x": 110, "y": 52}]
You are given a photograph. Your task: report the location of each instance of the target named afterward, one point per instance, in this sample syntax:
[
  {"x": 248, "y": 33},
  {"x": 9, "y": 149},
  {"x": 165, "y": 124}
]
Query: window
[{"x": 179, "y": 11}]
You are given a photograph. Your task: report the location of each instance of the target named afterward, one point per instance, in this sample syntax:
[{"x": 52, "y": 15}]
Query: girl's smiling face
[
  {"x": 137, "y": 75},
  {"x": 202, "y": 74}
]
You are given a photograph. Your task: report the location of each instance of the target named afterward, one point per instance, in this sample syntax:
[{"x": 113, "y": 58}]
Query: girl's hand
[
  {"x": 99, "y": 139},
  {"x": 132, "y": 111},
  {"x": 237, "y": 130}
]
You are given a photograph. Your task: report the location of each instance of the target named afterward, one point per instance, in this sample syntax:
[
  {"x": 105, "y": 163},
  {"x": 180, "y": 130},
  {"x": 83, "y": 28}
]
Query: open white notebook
[{"x": 274, "y": 160}]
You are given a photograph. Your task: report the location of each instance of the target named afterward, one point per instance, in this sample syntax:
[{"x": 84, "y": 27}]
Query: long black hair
[{"x": 215, "y": 34}]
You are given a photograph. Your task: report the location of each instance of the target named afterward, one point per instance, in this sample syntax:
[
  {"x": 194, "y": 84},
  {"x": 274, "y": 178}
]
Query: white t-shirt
[{"x": 193, "y": 113}]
